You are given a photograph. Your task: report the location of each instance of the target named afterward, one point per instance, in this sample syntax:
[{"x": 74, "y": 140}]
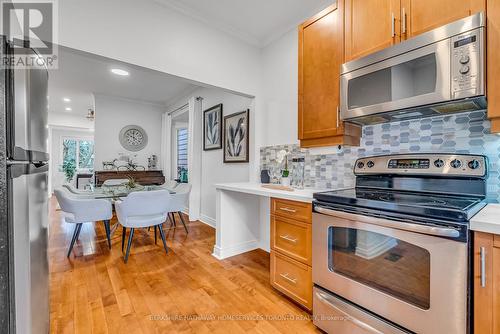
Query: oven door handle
[
  {"x": 405, "y": 226},
  {"x": 324, "y": 299}
]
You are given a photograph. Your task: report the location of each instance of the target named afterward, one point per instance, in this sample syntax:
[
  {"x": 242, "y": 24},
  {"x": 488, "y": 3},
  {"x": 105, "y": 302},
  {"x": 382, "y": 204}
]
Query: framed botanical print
[
  {"x": 212, "y": 128},
  {"x": 236, "y": 137}
]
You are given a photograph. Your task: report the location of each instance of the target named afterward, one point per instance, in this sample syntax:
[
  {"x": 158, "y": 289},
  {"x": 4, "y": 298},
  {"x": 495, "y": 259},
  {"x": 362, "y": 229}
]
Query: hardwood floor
[{"x": 186, "y": 291}]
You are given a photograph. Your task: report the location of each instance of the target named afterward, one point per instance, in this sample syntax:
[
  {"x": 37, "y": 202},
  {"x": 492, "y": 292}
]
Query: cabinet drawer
[
  {"x": 291, "y": 209},
  {"x": 292, "y": 278},
  {"x": 292, "y": 238}
]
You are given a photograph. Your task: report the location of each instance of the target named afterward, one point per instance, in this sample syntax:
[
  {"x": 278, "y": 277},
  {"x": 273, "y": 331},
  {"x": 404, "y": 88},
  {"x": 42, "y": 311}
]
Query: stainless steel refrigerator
[{"x": 24, "y": 274}]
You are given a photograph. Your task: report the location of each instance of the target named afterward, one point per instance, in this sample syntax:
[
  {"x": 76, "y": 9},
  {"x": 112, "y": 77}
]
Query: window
[
  {"x": 78, "y": 153},
  {"x": 182, "y": 155}
]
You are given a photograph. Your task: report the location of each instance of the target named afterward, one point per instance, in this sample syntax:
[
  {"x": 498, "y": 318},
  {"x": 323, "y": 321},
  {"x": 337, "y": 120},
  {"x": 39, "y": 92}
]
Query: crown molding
[{"x": 194, "y": 14}]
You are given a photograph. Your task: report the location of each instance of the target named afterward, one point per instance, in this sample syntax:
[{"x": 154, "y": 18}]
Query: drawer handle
[
  {"x": 287, "y": 238},
  {"x": 288, "y": 210},
  {"x": 288, "y": 278}
]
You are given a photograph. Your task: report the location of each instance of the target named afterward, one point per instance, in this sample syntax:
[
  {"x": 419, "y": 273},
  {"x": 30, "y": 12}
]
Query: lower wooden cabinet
[
  {"x": 291, "y": 250},
  {"x": 292, "y": 277},
  {"x": 486, "y": 283}
]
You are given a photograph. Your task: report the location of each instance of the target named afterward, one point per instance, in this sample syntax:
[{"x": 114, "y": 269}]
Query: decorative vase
[{"x": 285, "y": 181}]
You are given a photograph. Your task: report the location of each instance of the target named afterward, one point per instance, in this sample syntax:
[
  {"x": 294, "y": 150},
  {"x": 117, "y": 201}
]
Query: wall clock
[{"x": 133, "y": 138}]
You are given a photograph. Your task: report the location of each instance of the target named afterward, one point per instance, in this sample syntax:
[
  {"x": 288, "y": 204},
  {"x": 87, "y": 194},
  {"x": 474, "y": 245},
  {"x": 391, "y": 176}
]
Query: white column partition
[{"x": 195, "y": 137}]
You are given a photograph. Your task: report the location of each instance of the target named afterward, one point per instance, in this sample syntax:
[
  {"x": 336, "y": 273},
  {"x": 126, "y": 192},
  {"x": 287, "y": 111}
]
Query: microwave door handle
[{"x": 405, "y": 226}]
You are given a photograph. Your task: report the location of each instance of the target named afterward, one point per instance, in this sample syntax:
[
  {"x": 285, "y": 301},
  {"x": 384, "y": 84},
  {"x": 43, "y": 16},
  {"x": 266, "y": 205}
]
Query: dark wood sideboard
[{"x": 148, "y": 177}]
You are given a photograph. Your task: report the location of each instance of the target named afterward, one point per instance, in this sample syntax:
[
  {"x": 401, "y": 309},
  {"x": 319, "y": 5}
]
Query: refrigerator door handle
[{"x": 20, "y": 168}]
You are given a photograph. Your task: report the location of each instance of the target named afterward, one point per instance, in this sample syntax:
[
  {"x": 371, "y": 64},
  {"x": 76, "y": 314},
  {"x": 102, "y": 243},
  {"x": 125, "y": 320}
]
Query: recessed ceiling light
[
  {"x": 68, "y": 109},
  {"x": 121, "y": 72},
  {"x": 66, "y": 99}
]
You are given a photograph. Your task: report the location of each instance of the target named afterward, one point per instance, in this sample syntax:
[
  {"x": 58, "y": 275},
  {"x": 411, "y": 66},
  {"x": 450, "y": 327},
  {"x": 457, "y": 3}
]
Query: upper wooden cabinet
[
  {"x": 492, "y": 64},
  {"x": 419, "y": 16},
  {"x": 370, "y": 25},
  {"x": 320, "y": 57}
]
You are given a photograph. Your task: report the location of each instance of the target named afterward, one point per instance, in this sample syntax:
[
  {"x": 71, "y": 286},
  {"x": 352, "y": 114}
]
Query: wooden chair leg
[
  {"x": 162, "y": 234},
  {"x": 183, "y": 222},
  {"x": 129, "y": 244},
  {"x": 155, "y": 234},
  {"x": 108, "y": 232},
  {"x": 76, "y": 233},
  {"x": 124, "y": 233}
]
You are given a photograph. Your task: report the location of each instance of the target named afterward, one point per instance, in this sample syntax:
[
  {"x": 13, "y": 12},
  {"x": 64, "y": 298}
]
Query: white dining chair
[
  {"x": 115, "y": 182},
  {"x": 143, "y": 209},
  {"x": 77, "y": 192},
  {"x": 179, "y": 202},
  {"x": 84, "y": 210},
  {"x": 170, "y": 185}
]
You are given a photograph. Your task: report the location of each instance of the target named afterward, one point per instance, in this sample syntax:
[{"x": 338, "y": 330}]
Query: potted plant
[{"x": 69, "y": 170}]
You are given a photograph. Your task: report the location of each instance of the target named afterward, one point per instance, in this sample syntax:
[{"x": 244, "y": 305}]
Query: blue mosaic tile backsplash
[{"x": 459, "y": 133}]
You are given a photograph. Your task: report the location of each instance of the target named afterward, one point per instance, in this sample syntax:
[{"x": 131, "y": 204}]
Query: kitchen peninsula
[{"x": 243, "y": 216}]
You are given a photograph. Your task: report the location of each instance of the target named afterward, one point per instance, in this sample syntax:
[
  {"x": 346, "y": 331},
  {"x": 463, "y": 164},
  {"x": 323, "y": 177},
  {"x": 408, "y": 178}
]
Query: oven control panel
[
  {"x": 467, "y": 63},
  {"x": 423, "y": 164}
]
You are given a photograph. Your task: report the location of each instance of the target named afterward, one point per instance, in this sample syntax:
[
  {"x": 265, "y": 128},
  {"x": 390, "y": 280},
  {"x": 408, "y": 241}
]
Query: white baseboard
[
  {"x": 223, "y": 253},
  {"x": 208, "y": 221}
]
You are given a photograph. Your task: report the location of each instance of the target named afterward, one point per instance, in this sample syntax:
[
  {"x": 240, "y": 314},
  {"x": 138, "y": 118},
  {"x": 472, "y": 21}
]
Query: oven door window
[
  {"x": 406, "y": 80},
  {"x": 390, "y": 265}
]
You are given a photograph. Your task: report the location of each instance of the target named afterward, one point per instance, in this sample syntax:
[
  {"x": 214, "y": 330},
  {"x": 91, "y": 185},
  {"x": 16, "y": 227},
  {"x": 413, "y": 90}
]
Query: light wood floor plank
[{"x": 184, "y": 291}]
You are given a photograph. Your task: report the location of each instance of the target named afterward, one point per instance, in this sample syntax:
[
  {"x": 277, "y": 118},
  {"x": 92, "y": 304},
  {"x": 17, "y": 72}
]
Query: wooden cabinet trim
[
  {"x": 298, "y": 245},
  {"x": 330, "y": 141}
]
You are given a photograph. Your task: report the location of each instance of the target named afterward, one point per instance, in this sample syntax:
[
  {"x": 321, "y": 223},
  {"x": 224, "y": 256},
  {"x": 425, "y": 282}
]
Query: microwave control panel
[{"x": 467, "y": 63}]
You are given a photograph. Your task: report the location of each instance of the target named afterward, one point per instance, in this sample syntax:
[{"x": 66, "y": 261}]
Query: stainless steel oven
[
  {"x": 441, "y": 71},
  {"x": 392, "y": 254},
  {"x": 419, "y": 282}
]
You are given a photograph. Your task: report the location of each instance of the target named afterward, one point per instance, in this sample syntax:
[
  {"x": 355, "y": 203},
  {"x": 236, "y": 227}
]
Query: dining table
[{"x": 117, "y": 192}]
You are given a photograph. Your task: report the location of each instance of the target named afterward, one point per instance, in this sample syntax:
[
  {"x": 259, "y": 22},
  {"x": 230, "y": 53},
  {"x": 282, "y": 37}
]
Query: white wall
[
  {"x": 280, "y": 90},
  {"x": 148, "y": 34},
  {"x": 213, "y": 169},
  {"x": 112, "y": 114}
]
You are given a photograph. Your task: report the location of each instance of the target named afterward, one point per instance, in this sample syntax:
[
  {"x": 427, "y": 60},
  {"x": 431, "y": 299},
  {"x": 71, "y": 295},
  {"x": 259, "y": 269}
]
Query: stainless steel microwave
[{"x": 439, "y": 72}]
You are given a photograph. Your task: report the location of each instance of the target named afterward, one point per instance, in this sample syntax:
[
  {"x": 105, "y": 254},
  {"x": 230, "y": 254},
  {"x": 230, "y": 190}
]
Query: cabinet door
[
  {"x": 493, "y": 65},
  {"x": 419, "y": 16},
  {"x": 320, "y": 57},
  {"x": 486, "y": 283},
  {"x": 370, "y": 25}
]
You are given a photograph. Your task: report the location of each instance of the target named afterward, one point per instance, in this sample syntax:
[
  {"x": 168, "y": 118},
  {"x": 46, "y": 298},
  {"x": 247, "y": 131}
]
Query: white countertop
[
  {"x": 487, "y": 220},
  {"x": 302, "y": 195}
]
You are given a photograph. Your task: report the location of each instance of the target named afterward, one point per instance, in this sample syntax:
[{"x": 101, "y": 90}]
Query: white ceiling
[
  {"x": 257, "y": 22},
  {"x": 80, "y": 75}
]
